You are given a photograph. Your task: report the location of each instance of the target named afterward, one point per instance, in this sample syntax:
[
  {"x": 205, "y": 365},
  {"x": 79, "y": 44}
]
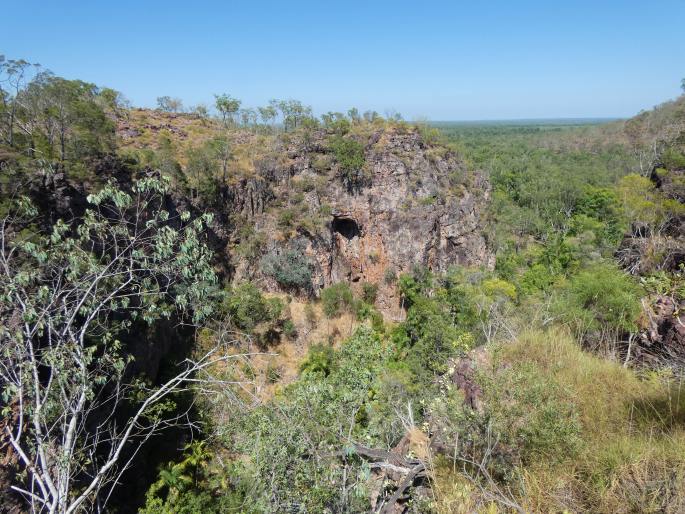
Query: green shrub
[
  {"x": 532, "y": 413},
  {"x": 289, "y": 329},
  {"x": 673, "y": 159},
  {"x": 286, "y": 218},
  {"x": 336, "y": 123},
  {"x": 390, "y": 276},
  {"x": 369, "y": 292},
  {"x": 248, "y": 307},
  {"x": 349, "y": 154},
  {"x": 290, "y": 267},
  {"x": 601, "y": 297},
  {"x": 192, "y": 486},
  {"x": 320, "y": 359},
  {"x": 429, "y": 337},
  {"x": 363, "y": 310},
  {"x": 276, "y": 440},
  {"x": 336, "y": 298},
  {"x": 377, "y": 322},
  {"x": 537, "y": 277}
]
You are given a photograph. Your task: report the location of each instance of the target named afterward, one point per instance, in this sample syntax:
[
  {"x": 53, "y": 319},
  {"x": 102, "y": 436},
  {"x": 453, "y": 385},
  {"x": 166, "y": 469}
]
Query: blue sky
[{"x": 442, "y": 60}]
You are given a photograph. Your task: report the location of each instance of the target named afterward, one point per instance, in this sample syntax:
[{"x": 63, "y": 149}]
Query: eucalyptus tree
[
  {"x": 353, "y": 114},
  {"x": 248, "y": 117},
  {"x": 64, "y": 119},
  {"x": 169, "y": 104},
  {"x": 294, "y": 113},
  {"x": 13, "y": 79},
  {"x": 228, "y": 108},
  {"x": 268, "y": 114},
  {"x": 62, "y": 97},
  {"x": 73, "y": 414}
]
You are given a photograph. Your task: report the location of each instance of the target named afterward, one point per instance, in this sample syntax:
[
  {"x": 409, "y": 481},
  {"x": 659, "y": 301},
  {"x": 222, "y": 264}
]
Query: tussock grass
[{"x": 632, "y": 453}]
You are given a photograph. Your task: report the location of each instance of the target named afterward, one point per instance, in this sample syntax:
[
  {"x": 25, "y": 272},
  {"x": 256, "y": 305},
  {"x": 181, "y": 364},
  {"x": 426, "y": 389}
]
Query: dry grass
[
  {"x": 633, "y": 431},
  {"x": 286, "y": 357}
]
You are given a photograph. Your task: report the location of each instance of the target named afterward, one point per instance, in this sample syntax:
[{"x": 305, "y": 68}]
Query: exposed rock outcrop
[
  {"x": 663, "y": 338},
  {"x": 416, "y": 204},
  {"x": 644, "y": 251}
]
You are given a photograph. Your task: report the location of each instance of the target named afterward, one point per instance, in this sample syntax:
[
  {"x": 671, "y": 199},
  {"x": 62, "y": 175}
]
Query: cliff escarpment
[
  {"x": 358, "y": 202},
  {"x": 409, "y": 203}
]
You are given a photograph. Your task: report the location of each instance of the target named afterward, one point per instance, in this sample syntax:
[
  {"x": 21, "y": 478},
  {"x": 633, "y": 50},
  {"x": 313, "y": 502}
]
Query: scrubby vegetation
[{"x": 548, "y": 382}]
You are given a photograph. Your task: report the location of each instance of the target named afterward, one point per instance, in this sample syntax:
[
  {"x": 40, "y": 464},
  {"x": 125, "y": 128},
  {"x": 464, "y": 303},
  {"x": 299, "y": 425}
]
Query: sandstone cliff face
[{"x": 416, "y": 205}]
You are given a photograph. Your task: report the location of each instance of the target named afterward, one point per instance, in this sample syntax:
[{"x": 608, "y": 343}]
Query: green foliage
[
  {"x": 336, "y": 298},
  {"x": 430, "y": 135},
  {"x": 601, "y": 297},
  {"x": 541, "y": 175},
  {"x": 673, "y": 159},
  {"x": 286, "y": 217},
  {"x": 600, "y": 211},
  {"x": 349, "y": 154},
  {"x": 440, "y": 317},
  {"x": 336, "y": 123},
  {"x": 278, "y": 438},
  {"x": 429, "y": 337},
  {"x": 363, "y": 310},
  {"x": 192, "y": 486},
  {"x": 413, "y": 286},
  {"x": 527, "y": 415},
  {"x": 369, "y": 292},
  {"x": 228, "y": 108},
  {"x": 534, "y": 415},
  {"x": 125, "y": 264},
  {"x": 289, "y": 329},
  {"x": 165, "y": 161},
  {"x": 203, "y": 163},
  {"x": 294, "y": 113},
  {"x": 248, "y": 307},
  {"x": 63, "y": 120},
  {"x": 290, "y": 267},
  {"x": 169, "y": 104},
  {"x": 562, "y": 200},
  {"x": 320, "y": 359},
  {"x": 639, "y": 199}
]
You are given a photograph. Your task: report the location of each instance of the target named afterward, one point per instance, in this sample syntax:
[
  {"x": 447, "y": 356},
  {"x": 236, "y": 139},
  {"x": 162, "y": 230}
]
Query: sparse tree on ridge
[
  {"x": 353, "y": 114},
  {"x": 294, "y": 112},
  {"x": 13, "y": 79},
  {"x": 169, "y": 104},
  {"x": 248, "y": 117},
  {"x": 201, "y": 111},
  {"x": 228, "y": 108},
  {"x": 268, "y": 114}
]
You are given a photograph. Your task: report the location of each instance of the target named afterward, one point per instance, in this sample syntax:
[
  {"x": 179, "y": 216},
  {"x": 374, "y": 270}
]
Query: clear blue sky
[{"x": 443, "y": 60}]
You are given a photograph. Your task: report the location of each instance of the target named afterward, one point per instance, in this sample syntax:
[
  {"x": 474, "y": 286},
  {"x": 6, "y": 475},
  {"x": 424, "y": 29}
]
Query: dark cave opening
[{"x": 346, "y": 227}]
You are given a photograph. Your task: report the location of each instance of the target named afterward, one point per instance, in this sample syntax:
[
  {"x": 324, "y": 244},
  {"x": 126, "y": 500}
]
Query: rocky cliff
[
  {"x": 413, "y": 203},
  {"x": 406, "y": 201}
]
